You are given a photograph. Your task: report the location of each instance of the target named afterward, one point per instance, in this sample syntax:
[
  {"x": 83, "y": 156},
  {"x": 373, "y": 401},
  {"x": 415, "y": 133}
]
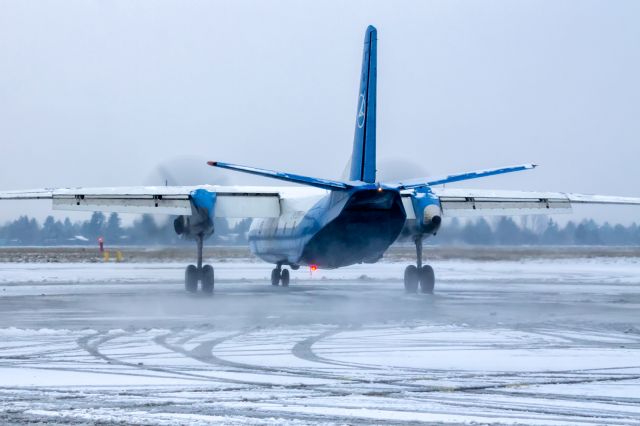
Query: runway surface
[{"x": 527, "y": 342}]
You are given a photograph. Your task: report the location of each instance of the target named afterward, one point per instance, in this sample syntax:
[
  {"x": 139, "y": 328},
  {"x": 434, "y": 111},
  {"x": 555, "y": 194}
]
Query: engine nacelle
[
  {"x": 426, "y": 206},
  {"x": 428, "y": 215},
  {"x": 200, "y": 223},
  {"x": 431, "y": 218}
]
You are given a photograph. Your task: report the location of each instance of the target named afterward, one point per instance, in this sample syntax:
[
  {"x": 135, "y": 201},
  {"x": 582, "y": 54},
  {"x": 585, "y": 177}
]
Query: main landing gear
[
  {"x": 279, "y": 275},
  {"x": 419, "y": 275},
  {"x": 201, "y": 273}
]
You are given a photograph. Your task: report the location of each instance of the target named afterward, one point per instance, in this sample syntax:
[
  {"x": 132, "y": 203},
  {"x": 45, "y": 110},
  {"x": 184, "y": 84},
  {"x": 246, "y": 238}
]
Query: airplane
[{"x": 323, "y": 223}]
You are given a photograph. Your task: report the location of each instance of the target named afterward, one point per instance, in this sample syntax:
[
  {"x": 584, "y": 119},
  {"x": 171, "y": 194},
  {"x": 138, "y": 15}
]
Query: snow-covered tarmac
[{"x": 533, "y": 342}]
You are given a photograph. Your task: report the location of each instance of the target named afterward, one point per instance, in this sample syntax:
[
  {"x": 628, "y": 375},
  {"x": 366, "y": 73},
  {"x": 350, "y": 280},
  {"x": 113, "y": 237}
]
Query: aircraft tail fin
[{"x": 363, "y": 158}]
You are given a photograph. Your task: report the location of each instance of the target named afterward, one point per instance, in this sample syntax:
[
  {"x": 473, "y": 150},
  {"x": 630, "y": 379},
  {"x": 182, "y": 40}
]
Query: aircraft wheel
[
  {"x": 411, "y": 279},
  {"x": 191, "y": 279},
  {"x": 207, "y": 279},
  {"x": 285, "y": 278},
  {"x": 427, "y": 279},
  {"x": 275, "y": 277}
]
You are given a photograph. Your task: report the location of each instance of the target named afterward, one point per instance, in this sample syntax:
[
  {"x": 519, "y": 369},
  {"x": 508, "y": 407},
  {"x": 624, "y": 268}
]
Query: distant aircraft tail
[{"x": 363, "y": 158}]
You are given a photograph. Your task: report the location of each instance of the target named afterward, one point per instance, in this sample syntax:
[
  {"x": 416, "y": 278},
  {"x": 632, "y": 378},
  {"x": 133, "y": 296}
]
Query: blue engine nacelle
[
  {"x": 428, "y": 214},
  {"x": 200, "y": 223},
  {"x": 427, "y": 209}
]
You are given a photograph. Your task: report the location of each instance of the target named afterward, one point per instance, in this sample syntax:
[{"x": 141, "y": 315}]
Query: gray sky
[{"x": 100, "y": 93}]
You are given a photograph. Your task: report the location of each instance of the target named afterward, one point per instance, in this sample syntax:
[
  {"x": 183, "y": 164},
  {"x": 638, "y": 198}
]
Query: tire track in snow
[
  {"x": 304, "y": 350},
  {"x": 91, "y": 344},
  {"x": 204, "y": 353}
]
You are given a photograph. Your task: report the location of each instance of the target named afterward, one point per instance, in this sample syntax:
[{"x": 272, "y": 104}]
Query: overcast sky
[{"x": 103, "y": 93}]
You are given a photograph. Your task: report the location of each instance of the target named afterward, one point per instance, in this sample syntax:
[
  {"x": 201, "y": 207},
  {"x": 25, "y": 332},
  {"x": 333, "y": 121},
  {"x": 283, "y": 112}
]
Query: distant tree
[
  {"x": 144, "y": 230},
  {"x": 241, "y": 230},
  {"x": 478, "y": 232},
  {"x": 507, "y": 232},
  {"x": 605, "y": 231},
  {"x": 94, "y": 228},
  {"x": 537, "y": 224},
  {"x": 633, "y": 234},
  {"x": 23, "y": 231},
  {"x": 221, "y": 232},
  {"x": 69, "y": 229},
  {"x": 587, "y": 233},
  {"x": 52, "y": 231},
  {"x": 112, "y": 229},
  {"x": 619, "y": 235},
  {"x": 551, "y": 234},
  {"x": 567, "y": 234}
]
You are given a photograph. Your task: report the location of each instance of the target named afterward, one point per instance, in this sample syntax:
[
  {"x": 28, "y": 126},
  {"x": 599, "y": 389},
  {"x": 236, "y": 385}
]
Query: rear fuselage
[{"x": 331, "y": 229}]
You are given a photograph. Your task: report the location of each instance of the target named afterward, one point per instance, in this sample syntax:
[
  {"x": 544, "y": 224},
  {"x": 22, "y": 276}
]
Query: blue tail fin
[{"x": 363, "y": 158}]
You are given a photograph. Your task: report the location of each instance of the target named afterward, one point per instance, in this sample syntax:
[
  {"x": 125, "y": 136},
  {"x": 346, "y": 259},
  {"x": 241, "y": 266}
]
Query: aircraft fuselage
[{"x": 341, "y": 228}]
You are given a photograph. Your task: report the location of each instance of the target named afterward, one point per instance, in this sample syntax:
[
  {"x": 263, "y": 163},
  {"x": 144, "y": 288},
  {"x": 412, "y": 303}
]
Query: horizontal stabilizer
[
  {"x": 415, "y": 183},
  {"x": 288, "y": 177}
]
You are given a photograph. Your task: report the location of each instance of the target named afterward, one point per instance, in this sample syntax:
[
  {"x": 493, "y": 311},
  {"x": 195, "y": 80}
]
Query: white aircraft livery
[{"x": 322, "y": 223}]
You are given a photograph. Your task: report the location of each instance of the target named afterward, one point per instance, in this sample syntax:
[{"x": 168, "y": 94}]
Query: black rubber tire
[
  {"x": 427, "y": 279},
  {"x": 191, "y": 279},
  {"x": 207, "y": 279},
  {"x": 284, "y": 277},
  {"x": 275, "y": 277},
  {"x": 411, "y": 279}
]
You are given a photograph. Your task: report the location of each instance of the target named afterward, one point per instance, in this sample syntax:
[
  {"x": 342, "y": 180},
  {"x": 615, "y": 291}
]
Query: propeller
[
  {"x": 396, "y": 170},
  {"x": 186, "y": 171}
]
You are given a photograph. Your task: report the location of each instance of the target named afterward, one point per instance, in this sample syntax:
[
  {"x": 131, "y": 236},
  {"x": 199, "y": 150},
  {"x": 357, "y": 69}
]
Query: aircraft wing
[
  {"x": 231, "y": 201},
  {"x": 478, "y": 202}
]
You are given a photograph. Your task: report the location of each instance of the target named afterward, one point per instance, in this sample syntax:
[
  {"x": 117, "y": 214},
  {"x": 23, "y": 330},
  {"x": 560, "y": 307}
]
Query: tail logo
[{"x": 361, "y": 114}]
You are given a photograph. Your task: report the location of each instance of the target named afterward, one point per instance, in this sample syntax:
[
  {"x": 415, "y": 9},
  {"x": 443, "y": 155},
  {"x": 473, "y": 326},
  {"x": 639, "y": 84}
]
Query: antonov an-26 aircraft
[{"x": 323, "y": 223}]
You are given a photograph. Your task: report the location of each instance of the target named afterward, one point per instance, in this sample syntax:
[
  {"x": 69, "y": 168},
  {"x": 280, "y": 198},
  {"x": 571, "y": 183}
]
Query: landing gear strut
[
  {"x": 201, "y": 273},
  {"x": 279, "y": 275},
  {"x": 415, "y": 275}
]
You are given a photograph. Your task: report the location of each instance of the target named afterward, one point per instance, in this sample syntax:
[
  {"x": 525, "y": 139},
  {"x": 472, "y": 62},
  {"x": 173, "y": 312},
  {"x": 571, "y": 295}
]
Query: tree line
[
  {"x": 143, "y": 231},
  {"x": 146, "y": 231},
  {"x": 535, "y": 230}
]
